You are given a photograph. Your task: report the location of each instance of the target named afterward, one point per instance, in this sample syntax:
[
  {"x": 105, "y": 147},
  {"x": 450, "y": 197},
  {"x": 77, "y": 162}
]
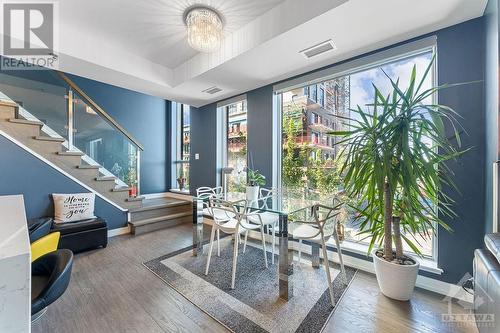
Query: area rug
[{"x": 254, "y": 305}]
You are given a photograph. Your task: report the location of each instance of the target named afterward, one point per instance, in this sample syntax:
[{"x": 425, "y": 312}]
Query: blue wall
[
  {"x": 203, "y": 172},
  {"x": 460, "y": 59},
  {"x": 260, "y": 131},
  {"x": 22, "y": 173}
]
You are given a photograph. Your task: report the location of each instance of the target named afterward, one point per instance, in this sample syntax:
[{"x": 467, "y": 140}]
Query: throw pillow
[{"x": 73, "y": 207}]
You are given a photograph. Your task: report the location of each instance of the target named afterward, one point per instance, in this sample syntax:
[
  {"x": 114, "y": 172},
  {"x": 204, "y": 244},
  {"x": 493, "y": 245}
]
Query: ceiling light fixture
[{"x": 204, "y": 29}]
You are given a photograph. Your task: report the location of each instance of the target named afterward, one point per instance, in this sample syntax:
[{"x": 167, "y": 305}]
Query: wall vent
[
  {"x": 212, "y": 90},
  {"x": 318, "y": 49}
]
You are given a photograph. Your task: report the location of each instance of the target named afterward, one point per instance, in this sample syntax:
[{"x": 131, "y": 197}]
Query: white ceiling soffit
[{"x": 140, "y": 45}]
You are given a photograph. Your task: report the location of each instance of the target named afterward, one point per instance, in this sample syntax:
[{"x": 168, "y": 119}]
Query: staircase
[
  {"x": 28, "y": 132},
  {"x": 25, "y": 127}
]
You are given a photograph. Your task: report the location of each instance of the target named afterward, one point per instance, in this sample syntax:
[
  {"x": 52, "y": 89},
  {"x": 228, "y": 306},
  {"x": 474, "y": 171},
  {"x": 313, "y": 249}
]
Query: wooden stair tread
[
  {"x": 88, "y": 166},
  {"x": 160, "y": 219},
  {"x": 121, "y": 189},
  {"x": 8, "y": 103},
  {"x": 70, "y": 153},
  {"x": 25, "y": 122},
  {"x": 106, "y": 178},
  {"x": 49, "y": 138}
]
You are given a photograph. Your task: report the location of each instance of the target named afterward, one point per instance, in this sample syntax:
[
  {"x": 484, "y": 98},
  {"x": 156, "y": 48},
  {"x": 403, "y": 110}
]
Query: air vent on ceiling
[
  {"x": 318, "y": 49},
  {"x": 212, "y": 90}
]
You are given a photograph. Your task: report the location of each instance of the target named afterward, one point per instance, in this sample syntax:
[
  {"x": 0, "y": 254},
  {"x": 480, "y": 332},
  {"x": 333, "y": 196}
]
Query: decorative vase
[
  {"x": 396, "y": 281},
  {"x": 252, "y": 193},
  {"x": 132, "y": 192}
]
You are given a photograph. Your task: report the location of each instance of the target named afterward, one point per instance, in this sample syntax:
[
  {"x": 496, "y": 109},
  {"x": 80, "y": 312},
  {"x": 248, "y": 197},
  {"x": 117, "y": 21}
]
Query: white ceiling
[
  {"x": 141, "y": 45},
  {"x": 154, "y": 29}
]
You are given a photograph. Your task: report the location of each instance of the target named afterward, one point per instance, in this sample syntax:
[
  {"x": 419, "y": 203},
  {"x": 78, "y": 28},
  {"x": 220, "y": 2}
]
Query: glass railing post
[
  {"x": 70, "y": 119},
  {"x": 138, "y": 167}
]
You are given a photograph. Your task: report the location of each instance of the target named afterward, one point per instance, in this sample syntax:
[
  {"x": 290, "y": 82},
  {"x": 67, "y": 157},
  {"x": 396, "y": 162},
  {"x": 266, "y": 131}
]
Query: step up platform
[{"x": 160, "y": 213}]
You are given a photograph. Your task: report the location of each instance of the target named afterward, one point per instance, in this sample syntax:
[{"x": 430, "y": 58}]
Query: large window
[
  {"x": 311, "y": 157},
  {"x": 236, "y": 145},
  {"x": 183, "y": 146}
]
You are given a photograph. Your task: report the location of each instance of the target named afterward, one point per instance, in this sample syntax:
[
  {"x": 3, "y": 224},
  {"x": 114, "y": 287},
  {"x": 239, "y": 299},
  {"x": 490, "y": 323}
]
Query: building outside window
[
  {"x": 183, "y": 129},
  {"x": 311, "y": 158},
  {"x": 321, "y": 100},
  {"x": 313, "y": 93},
  {"x": 236, "y": 145}
]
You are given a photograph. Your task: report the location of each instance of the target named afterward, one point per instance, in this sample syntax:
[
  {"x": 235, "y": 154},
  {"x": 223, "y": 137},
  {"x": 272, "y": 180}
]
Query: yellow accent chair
[{"x": 44, "y": 245}]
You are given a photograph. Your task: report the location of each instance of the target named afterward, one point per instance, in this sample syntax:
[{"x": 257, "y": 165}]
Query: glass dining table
[{"x": 288, "y": 207}]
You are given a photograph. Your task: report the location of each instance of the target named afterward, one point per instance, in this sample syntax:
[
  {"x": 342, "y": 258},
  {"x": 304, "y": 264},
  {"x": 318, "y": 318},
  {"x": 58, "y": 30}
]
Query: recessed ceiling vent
[
  {"x": 318, "y": 49},
  {"x": 212, "y": 90}
]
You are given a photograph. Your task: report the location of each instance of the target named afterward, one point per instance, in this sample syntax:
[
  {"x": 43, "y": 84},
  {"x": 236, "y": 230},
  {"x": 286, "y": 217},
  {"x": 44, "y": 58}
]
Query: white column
[{"x": 15, "y": 266}]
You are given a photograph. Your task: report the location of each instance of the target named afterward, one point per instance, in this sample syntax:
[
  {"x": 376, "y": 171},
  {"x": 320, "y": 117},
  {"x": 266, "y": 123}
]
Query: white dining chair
[
  {"x": 205, "y": 193},
  {"x": 319, "y": 231},
  {"x": 230, "y": 220},
  {"x": 265, "y": 219}
]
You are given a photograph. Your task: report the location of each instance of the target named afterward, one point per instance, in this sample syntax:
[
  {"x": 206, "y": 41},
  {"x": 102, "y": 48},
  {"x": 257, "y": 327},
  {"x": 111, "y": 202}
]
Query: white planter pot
[
  {"x": 394, "y": 280},
  {"x": 252, "y": 193}
]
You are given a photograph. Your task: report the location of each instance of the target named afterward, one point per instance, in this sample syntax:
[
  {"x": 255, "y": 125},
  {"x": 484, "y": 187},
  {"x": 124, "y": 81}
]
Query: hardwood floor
[{"x": 110, "y": 291}]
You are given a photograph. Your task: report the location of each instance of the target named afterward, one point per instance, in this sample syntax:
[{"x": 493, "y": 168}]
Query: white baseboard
[{"x": 118, "y": 231}]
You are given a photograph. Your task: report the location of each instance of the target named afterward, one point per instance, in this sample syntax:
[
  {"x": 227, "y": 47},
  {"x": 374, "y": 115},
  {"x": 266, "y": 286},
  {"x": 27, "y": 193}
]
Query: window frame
[
  {"x": 364, "y": 63},
  {"x": 223, "y": 133},
  {"x": 177, "y": 137}
]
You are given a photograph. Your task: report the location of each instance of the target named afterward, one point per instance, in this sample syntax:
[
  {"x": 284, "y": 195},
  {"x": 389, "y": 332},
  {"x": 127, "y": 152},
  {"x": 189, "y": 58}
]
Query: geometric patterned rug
[{"x": 254, "y": 305}]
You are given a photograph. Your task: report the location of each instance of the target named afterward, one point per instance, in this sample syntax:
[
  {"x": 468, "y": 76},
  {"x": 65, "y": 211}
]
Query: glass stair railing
[{"x": 67, "y": 112}]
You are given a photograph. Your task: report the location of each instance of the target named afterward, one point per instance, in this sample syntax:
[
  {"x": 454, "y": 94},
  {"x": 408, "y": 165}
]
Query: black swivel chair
[{"x": 50, "y": 275}]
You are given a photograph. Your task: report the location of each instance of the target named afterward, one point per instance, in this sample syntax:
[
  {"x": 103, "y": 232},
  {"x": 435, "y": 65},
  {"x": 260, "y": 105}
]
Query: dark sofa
[{"x": 487, "y": 285}]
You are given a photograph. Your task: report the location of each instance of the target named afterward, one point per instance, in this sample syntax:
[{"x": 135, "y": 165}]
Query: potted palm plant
[
  {"x": 394, "y": 165},
  {"x": 254, "y": 181}
]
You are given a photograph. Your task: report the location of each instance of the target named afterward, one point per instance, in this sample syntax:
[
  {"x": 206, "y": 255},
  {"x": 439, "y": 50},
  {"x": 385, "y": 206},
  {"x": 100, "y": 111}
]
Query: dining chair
[
  {"x": 230, "y": 220},
  {"x": 319, "y": 231},
  {"x": 205, "y": 193},
  {"x": 265, "y": 219}
]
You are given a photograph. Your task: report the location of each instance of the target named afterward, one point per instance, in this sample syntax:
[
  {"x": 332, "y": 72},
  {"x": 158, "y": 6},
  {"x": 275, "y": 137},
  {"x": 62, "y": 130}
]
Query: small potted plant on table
[
  {"x": 394, "y": 165},
  {"x": 254, "y": 181}
]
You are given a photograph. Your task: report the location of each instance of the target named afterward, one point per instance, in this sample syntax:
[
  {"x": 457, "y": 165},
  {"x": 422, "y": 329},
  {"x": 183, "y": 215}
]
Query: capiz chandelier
[{"x": 204, "y": 28}]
